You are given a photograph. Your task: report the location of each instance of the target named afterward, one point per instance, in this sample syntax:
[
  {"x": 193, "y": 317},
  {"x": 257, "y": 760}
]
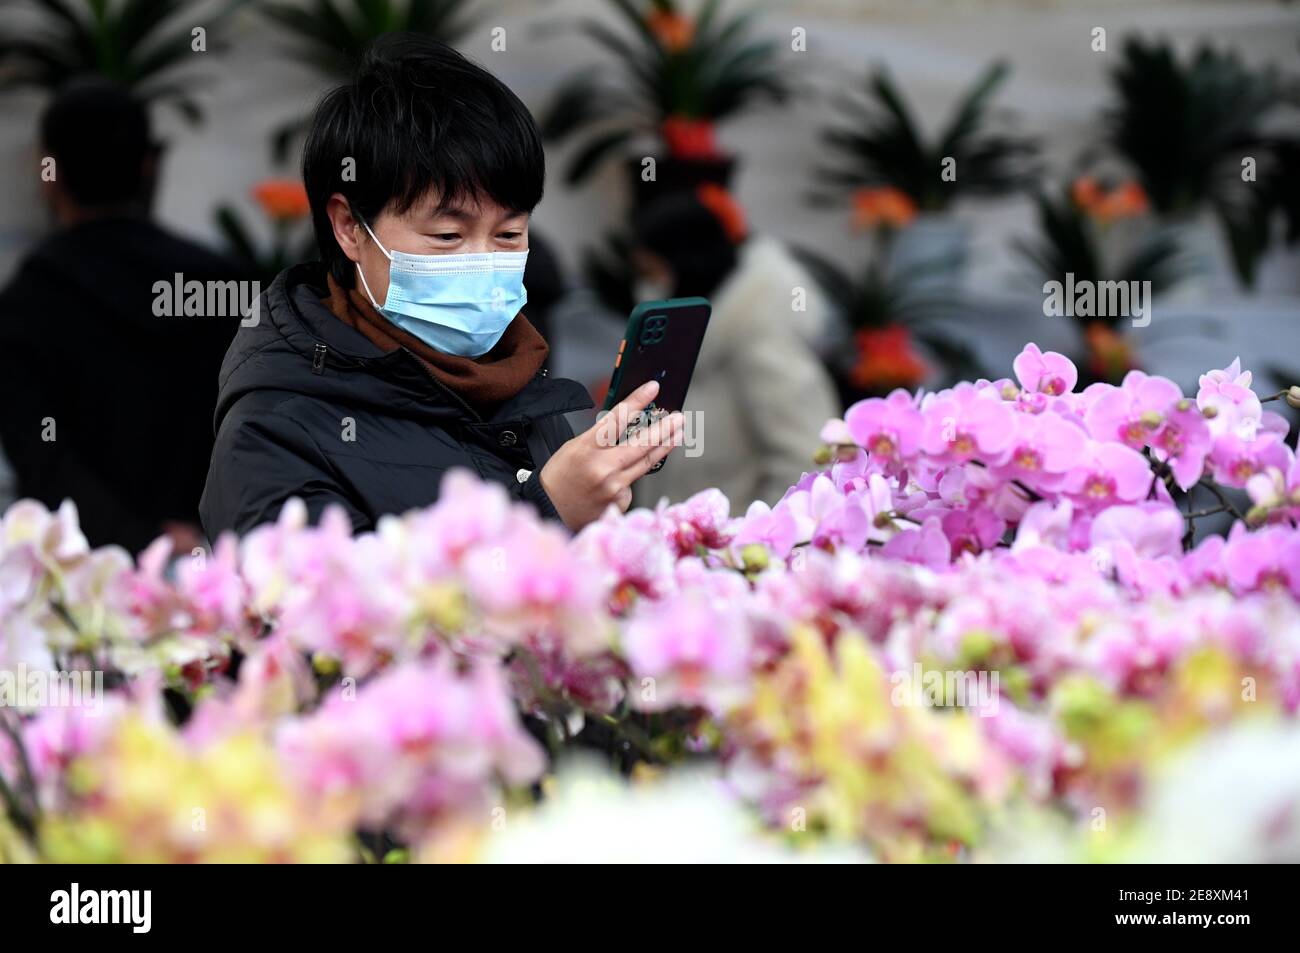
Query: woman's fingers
[
  {"x": 609, "y": 430},
  {"x": 651, "y": 445}
]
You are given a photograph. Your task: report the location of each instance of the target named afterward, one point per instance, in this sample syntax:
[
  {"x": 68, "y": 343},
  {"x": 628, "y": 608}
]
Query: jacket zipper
[{"x": 444, "y": 388}]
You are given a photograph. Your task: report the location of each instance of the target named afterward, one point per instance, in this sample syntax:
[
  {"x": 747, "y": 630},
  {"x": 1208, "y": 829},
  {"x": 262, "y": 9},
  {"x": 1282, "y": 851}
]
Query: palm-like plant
[
  {"x": 886, "y": 309},
  {"x": 285, "y": 208},
  {"x": 880, "y": 144},
  {"x": 331, "y": 35},
  {"x": 681, "y": 76},
  {"x": 144, "y": 45},
  {"x": 1071, "y": 242},
  {"x": 1185, "y": 128}
]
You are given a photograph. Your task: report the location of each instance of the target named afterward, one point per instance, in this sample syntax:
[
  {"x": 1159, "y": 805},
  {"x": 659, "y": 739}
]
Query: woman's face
[
  {"x": 427, "y": 228},
  {"x": 652, "y": 276}
]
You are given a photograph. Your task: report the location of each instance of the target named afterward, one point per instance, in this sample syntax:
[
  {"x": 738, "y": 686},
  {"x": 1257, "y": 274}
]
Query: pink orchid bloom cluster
[
  {"x": 1009, "y": 528},
  {"x": 1030, "y": 463},
  {"x": 415, "y": 746},
  {"x": 1067, "y": 660}
]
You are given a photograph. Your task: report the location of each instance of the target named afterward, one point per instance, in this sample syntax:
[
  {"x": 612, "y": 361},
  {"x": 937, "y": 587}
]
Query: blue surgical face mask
[{"x": 457, "y": 304}]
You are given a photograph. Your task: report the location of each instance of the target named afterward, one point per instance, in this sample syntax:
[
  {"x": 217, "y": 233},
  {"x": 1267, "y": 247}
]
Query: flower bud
[
  {"x": 754, "y": 557},
  {"x": 1293, "y": 396},
  {"x": 1256, "y": 515},
  {"x": 822, "y": 456},
  {"x": 323, "y": 664}
]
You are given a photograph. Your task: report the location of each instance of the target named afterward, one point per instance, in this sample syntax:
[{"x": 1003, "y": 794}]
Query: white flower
[
  {"x": 689, "y": 817},
  {"x": 1233, "y": 799}
]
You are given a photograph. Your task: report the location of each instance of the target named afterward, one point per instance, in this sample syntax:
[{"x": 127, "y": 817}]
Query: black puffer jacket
[{"x": 310, "y": 408}]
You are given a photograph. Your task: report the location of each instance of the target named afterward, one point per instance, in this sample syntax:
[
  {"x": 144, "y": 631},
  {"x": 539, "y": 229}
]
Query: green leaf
[{"x": 591, "y": 155}]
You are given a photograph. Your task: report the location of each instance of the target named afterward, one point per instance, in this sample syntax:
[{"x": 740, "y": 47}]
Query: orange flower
[
  {"x": 282, "y": 199},
  {"x": 674, "y": 31},
  {"x": 886, "y": 359},
  {"x": 725, "y": 208},
  {"x": 1085, "y": 191},
  {"x": 1127, "y": 201},
  {"x": 1107, "y": 205},
  {"x": 884, "y": 206},
  {"x": 1110, "y": 357},
  {"x": 690, "y": 138}
]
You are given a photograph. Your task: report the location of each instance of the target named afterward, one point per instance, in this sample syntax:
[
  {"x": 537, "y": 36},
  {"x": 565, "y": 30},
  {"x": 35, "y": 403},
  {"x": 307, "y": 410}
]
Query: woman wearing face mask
[
  {"x": 362, "y": 379},
  {"x": 759, "y": 395}
]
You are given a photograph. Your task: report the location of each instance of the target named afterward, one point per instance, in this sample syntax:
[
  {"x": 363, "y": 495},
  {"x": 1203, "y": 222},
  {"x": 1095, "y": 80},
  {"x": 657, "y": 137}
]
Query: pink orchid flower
[
  {"x": 926, "y": 546},
  {"x": 964, "y": 424},
  {"x": 888, "y": 428},
  {"x": 701, "y": 521},
  {"x": 1132, "y": 412},
  {"x": 1043, "y": 449},
  {"x": 1265, "y": 560},
  {"x": 1184, "y": 442},
  {"x": 687, "y": 651},
  {"x": 1107, "y": 474},
  {"x": 1047, "y": 373},
  {"x": 1234, "y": 460}
]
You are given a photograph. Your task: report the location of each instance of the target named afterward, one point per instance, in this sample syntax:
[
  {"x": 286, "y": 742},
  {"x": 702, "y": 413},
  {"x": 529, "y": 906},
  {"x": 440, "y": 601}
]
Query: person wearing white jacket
[{"x": 759, "y": 395}]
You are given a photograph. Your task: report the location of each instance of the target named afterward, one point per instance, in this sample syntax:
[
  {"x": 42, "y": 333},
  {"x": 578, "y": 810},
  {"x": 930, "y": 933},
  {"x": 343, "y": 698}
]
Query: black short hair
[
  {"x": 98, "y": 135},
  {"x": 683, "y": 231},
  {"x": 418, "y": 117}
]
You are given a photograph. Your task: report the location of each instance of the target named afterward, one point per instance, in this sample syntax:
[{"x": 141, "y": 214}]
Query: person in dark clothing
[
  {"x": 103, "y": 400},
  {"x": 404, "y": 353}
]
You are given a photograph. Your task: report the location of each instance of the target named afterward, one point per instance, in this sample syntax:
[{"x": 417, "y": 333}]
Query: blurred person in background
[
  {"x": 404, "y": 353},
  {"x": 759, "y": 395},
  {"x": 546, "y": 283},
  {"x": 103, "y": 401}
]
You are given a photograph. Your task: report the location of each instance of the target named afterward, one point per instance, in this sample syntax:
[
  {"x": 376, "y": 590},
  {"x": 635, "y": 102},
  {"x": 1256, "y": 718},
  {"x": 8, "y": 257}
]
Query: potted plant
[
  {"x": 330, "y": 35},
  {"x": 682, "y": 75},
  {"x": 889, "y": 310},
  {"x": 1074, "y": 246},
  {"x": 1185, "y": 128},
  {"x": 878, "y": 149},
  {"x": 145, "y": 45},
  {"x": 284, "y": 204}
]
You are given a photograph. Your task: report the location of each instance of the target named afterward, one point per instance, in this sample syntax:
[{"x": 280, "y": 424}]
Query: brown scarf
[{"x": 482, "y": 381}]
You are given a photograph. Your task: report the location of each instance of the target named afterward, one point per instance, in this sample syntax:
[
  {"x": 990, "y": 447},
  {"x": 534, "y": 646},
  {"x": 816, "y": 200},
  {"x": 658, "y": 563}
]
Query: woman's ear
[{"x": 346, "y": 226}]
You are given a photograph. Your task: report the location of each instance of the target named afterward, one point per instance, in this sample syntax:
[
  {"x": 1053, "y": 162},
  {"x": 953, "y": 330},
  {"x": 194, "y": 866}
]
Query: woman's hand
[{"x": 594, "y": 470}]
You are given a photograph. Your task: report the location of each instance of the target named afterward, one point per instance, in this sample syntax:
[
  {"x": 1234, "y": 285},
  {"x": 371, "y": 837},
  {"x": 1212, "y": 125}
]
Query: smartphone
[{"x": 661, "y": 342}]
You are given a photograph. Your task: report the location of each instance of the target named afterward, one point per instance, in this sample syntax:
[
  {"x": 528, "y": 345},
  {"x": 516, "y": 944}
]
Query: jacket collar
[{"x": 299, "y": 346}]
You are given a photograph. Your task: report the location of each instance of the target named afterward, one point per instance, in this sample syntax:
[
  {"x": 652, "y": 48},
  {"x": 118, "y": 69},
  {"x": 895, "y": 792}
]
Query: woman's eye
[
  {"x": 447, "y": 236},
  {"x": 510, "y": 236}
]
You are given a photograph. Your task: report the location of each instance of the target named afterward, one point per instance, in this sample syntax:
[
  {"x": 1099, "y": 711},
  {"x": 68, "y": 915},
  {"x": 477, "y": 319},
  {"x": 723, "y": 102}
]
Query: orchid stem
[{"x": 1224, "y": 502}]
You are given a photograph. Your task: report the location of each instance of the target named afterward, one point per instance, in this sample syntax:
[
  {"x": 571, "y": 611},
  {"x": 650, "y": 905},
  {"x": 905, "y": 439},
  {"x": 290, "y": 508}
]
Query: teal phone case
[{"x": 662, "y": 341}]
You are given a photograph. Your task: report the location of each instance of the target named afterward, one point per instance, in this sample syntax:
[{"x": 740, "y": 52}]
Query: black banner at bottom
[{"x": 140, "y": 904}]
